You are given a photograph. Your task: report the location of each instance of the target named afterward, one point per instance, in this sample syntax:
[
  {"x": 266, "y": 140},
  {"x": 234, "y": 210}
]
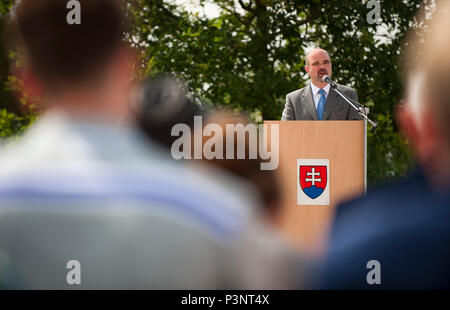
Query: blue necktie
[{"x": 321, "y": 104}]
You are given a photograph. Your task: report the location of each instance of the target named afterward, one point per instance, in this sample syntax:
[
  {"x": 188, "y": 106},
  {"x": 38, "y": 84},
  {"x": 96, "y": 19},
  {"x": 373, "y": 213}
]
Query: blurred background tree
[
  {"x": 251, "y": 54},
  {"x": 15, "y": 117}
]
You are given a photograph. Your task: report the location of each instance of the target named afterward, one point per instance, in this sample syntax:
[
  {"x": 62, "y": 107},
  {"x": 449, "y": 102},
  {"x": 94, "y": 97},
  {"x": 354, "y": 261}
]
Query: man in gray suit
[{"x": 317, "y": 100}]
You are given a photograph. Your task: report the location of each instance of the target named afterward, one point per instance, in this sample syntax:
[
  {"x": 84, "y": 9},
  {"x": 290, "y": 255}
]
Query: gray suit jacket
[{"x": 300, "y": 105}]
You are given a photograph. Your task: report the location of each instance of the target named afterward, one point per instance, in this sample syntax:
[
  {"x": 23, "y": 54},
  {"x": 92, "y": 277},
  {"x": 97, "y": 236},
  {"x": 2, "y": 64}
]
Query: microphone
[
  {"x": 328, "y": 80},
  {"x": 354, "y": 104}
]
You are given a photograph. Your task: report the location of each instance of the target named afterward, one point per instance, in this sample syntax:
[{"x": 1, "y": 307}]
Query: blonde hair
[{"x": 428, "y": 66}]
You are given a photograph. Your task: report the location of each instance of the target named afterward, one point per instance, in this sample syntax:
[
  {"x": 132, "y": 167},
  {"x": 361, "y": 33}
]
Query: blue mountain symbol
[{"x": 313, "y": 192}]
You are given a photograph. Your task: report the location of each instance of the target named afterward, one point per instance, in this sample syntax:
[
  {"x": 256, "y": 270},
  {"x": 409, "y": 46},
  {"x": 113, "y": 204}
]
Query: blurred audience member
[
  {"x": 265, "y": 181},
  {"x": 87, "y": 203},
  {"x": 405, "y": 225},
  {"x": 161, "y": 104}
]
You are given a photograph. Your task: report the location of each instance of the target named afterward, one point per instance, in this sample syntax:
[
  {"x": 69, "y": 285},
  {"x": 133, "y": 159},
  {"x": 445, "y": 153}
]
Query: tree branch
[{"x": 248, "y": 8}]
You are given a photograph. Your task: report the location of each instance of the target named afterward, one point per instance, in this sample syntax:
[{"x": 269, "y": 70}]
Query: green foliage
[
  {"x": 252, "y": 55},
  {"x": 389, "y": 155},
  {"x": 5, "y": 6},
  {"x": 14, "y": 117},
  {"x": 12, "y": 125}
]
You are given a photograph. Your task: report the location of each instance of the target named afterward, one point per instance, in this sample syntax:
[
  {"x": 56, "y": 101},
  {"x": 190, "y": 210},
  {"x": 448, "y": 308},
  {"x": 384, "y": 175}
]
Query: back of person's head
[
  {"x": 425, "y": 118},
  {"x": 265, "y": 182},
  {"x": 61, "y": 54},
  {"x": 162, "y": 104}
]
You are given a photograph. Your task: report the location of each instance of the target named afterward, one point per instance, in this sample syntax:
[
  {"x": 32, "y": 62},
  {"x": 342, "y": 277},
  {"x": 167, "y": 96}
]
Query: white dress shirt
[{"x": 316, "y": 95}]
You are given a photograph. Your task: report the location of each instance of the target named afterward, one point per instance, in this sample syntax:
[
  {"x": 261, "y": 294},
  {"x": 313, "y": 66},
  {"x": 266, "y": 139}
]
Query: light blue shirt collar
[{"x": 316, "y": 89}]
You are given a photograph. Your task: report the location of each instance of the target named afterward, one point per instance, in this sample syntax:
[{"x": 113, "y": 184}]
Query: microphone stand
[{"x": 334, "y": 86}]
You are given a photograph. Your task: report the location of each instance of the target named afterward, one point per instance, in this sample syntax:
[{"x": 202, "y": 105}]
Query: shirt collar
[{"x": 315, "y": 89}]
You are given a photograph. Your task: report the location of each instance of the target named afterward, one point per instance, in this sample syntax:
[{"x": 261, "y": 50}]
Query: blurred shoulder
[
  {"x": 396, "y": 206},
  {"x": 382, "y": 197}
]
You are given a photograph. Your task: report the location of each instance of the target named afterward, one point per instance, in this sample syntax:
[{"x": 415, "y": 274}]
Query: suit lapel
[
  {"x": 309, "y": 103},
  {"x": 332, "y": 100}
]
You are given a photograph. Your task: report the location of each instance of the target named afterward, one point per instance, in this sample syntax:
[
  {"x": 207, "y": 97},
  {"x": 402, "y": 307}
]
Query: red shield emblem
[{"x": 313, "y": 180}]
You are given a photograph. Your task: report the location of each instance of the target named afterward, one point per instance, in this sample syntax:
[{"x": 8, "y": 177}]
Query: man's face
[{"x": 319, "y": 65}]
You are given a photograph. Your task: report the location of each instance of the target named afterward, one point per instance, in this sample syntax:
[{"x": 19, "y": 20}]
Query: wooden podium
[{"x": 343, "y": 143}]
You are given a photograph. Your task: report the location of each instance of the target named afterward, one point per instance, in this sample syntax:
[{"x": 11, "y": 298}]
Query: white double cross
[{"x": 313, "y": 173}]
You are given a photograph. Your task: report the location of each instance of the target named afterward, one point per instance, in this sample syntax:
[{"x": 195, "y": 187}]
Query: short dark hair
[{"x": 60, "y": 53}]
